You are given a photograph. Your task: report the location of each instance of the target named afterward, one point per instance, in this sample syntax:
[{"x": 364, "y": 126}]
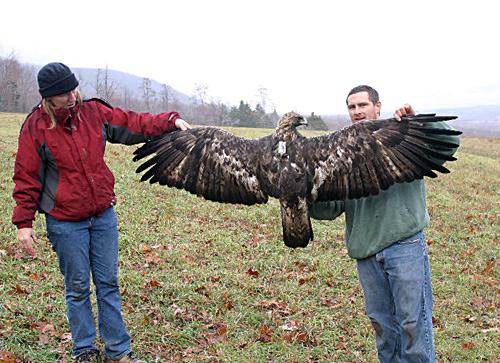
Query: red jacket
[{"x": 62, "y": 172}]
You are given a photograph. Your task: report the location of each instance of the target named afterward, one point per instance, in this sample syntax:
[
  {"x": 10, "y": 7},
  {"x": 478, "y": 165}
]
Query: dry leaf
[
  {"x": 467, "y": 345},
  {"x": 265, "y": 334},
  {"x": 7, "y": 357},
  {"x": 252, "y": 273},
  {"x": 43, "y": 339}
]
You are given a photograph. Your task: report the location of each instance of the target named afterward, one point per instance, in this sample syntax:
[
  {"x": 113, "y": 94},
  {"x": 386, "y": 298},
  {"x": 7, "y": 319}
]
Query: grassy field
[{"x": 207, "y": 282}]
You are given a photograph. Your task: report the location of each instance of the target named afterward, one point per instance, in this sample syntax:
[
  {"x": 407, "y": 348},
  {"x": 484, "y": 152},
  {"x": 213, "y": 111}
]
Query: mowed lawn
[{"x": 209, "y": 282}]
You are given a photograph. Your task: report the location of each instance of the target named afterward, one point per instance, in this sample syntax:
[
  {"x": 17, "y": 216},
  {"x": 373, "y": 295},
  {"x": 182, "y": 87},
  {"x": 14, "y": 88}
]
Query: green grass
[{"x": 208, "y": 282}]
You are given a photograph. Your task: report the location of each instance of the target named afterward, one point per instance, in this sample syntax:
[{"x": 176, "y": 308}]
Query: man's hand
[
  {"x": 405, "y": 110},
  {"x": 181, "y": 124},
  {"x": 26, "y": 237}
]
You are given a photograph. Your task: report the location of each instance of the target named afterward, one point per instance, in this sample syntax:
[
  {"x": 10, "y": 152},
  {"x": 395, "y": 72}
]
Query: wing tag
[{"x": 281, "y": 148}]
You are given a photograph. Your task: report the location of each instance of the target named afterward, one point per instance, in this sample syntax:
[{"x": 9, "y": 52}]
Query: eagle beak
[{"x": 303, "y": 121}]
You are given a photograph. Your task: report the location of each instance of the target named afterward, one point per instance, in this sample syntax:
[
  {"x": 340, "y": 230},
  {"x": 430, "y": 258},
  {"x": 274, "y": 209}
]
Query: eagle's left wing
[
  {"x": 205, "y": 161},
  {"x": 369, "y": 156}
]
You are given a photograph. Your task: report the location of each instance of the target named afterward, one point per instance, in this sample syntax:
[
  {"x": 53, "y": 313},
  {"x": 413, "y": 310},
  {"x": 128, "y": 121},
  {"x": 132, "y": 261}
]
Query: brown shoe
[
  {"x": 129, "y": 358},
  {"x": 91, "y": 356}
]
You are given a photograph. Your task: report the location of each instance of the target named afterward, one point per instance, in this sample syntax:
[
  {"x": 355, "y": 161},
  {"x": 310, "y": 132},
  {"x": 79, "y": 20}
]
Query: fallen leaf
[
  {"x": 228, "y": 303},
  {"x": 489, "y": 267},
  {"x": 467, "y": 345},
  {"x": 291, "y": 325},
  {"x": 470, "y": 318},
  {"x": 252, "y": 273},
  {"x": 20, "y": 290},
  {"x": 300, "y": 337},
  {"x": 265, "y": 334},
  {"x": 7, "y": 357},
  {"x": 331, "y": 302},
  {"x": 152, "y": 283},
  {"x": 276, "y": 307},
  {"x": 43, "y": 339},
  {"x": 489, "y": 330},
  {"x": 219, "y": 335},
  {"x": 65, "y": 337},
  {"x": 34, "y": 276}
]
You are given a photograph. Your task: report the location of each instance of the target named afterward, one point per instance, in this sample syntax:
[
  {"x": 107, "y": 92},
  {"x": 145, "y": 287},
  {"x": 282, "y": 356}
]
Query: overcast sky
[{"x": 307, "y": 54}]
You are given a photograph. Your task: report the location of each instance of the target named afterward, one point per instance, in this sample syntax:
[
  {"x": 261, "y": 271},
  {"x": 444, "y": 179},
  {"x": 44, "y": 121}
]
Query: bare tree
[
  {"x": 263, "y": 96},
  {"x": 110, "y": 86},
  {"x": 104, "y": 86},
  {"x": 200, "y": 93},
  {"x": 28, "y": 87},
  {"x": 126, "y": 99},
  {"x": 165, "y": 97},
  {"x": 221, "y": 112},
  {"x": 18, "y": 91},
  {"x": 148, "y": 94}
]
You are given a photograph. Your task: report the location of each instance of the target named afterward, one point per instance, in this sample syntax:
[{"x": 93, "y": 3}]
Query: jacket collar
[{"x": 64, "y": 116}]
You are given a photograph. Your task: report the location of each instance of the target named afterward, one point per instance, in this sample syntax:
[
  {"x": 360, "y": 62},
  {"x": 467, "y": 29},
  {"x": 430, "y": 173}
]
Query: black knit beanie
[{"x": 55, "y": 79}]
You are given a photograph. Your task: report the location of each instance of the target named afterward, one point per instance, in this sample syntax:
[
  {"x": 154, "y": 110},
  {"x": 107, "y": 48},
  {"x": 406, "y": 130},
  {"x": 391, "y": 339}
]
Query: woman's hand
[
  {"x": 181, "y": 124},
  {"x": 26, "y": 237}
]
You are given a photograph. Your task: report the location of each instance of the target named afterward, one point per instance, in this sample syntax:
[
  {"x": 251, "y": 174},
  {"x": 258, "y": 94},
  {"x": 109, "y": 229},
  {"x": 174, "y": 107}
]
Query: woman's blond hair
[{"x": 49, "y": 108}]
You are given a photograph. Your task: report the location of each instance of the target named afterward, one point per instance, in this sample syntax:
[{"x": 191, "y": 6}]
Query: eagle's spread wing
[
  {"x": 205, "y": 161},
  {"x": 369, "y": 156}
]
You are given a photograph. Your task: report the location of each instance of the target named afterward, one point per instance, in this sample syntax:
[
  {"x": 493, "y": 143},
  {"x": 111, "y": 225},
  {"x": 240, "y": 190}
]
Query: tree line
[{"x": 19, "y": 93}]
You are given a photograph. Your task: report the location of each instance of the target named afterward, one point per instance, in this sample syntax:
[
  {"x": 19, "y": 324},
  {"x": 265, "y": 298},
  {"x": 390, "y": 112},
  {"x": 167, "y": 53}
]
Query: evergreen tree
[
  {"x": 316, "y": 122},
  {"x": 243, "y": 115}
]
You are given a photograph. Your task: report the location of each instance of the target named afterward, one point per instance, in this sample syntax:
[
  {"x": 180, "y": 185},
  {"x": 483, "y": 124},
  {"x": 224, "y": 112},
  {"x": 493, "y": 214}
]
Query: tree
[
  {"x": 200, "y": 93},
  {"x": 263, "y": 97},
  {"x": 221, "y": 113},
  {"x": 243, "y": 115},
  {"x": 109, "y": 86},
  {"x": 316, "y": 122},
  {"x": 148, "y": 94},
  {"x": 18, "y": 86},
  {"x": 104, "y": 86},
  {"x": 262, "y": 119},
  {"x": 164, "y": 97}
]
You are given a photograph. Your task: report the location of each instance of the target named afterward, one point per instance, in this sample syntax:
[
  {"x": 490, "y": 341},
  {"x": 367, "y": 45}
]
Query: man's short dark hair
[{"x": 372, "y": 93}]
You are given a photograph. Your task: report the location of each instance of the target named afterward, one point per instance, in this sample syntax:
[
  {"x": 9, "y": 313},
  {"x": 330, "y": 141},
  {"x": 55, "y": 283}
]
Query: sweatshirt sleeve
[
  {"x": 129, "y": 127},
  {"x": 27, "y": 184},
  {"x": 326, "y": 210}
]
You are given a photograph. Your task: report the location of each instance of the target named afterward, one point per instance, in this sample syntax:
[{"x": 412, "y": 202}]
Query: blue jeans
[
  {"x": 84, "y": 247},
  {"x": 398, "y": 300}
]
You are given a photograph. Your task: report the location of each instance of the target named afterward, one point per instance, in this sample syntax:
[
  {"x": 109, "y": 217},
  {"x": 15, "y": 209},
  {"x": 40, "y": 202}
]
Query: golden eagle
[{"x": 356, "y": 161}]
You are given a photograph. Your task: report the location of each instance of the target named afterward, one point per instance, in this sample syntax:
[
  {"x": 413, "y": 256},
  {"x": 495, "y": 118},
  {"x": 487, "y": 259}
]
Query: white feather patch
[{"x": 282, "y": 147}]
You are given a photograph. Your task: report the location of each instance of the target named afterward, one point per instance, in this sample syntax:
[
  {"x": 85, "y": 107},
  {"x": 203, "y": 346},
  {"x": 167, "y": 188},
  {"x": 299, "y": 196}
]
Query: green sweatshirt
[{"x": 376, "y": 222}]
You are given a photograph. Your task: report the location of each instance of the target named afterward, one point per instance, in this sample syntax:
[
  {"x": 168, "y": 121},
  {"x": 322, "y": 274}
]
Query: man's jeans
[
  {"x": 82, "y": 247},
  {"x": 398, "y": 300}
]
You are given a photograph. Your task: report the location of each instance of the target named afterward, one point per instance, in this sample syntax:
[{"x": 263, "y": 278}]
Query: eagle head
[{"x": 291, "y": 120}]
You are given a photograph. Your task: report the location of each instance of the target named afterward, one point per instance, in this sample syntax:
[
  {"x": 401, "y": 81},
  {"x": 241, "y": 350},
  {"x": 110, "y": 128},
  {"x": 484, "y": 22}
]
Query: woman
[{"x": 60, "y": 171}]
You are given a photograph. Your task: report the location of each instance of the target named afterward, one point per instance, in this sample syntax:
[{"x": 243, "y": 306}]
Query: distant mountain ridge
[
  {"x": 473, "y": 121},
  {"x": 132, "y": 83}
]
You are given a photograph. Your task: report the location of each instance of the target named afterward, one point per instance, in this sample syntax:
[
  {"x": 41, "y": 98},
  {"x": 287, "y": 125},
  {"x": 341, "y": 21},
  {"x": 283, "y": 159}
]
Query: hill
[
  {"x": 130, "y": 82},
  {"x": 473, "y": 121}
]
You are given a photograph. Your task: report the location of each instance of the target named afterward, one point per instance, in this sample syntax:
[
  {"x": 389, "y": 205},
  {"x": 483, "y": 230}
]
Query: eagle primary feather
[{"x": 356, "y": 161}]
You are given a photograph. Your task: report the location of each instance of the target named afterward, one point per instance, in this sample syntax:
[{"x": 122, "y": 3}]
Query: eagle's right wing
[
  {"x": 362, "y": 159},
  {"x": 205, "y": 161}
]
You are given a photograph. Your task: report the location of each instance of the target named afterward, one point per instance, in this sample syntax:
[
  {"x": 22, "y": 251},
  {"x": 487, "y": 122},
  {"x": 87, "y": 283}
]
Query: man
[{"x": 384, "y": 234}]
